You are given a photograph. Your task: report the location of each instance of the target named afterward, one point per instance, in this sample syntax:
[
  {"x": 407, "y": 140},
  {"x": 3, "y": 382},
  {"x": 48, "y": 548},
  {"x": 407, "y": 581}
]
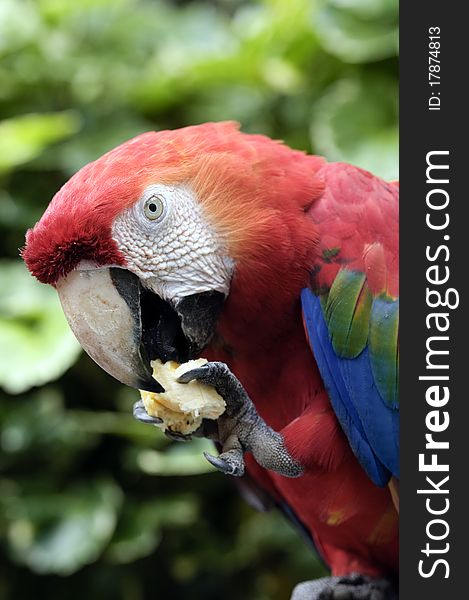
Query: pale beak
[
  {"x": 105, "y": 319},
  {"x": 122, "y": 326}
]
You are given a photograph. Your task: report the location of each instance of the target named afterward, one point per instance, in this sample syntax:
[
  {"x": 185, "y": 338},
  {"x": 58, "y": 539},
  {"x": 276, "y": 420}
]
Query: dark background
[
  {"x": 423, "y": 131},
  {"x": 93, "y": 504}
]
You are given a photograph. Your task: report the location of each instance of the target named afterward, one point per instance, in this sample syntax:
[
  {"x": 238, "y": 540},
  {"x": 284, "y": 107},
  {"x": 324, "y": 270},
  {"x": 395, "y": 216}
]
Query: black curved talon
[
  {"x": 219, "y": 376},
  {"x": 228, "y": 463},
  {"x": 175, "y": 436},
  {"x": 189, "y": 376},
  {"x": 140, "y": 413},
  {"x": 240, "y": 428}
]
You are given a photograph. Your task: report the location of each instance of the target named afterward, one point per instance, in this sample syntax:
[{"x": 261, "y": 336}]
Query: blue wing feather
[{"x": 372, "y": 426}]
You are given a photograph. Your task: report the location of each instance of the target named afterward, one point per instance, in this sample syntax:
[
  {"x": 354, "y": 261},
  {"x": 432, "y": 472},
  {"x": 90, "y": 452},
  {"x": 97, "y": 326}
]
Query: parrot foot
[
  {"x": 240, "y": 428},
  {"x": 229, "y": 463},
  {"x": 352, "y": 587},
  {"x": 175, "y": 436},
  {"x": 141, "y": 414}
]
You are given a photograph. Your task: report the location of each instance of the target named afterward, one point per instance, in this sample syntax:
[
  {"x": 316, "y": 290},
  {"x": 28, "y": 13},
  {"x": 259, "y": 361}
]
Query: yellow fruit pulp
[{"x": 181, "y": 406}]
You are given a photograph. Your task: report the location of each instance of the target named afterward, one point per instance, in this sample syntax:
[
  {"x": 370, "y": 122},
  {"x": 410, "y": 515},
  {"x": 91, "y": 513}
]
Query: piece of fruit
[{"x": 181, "y": 406}]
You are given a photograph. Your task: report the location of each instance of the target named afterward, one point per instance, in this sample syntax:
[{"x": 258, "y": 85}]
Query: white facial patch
[{"x": 170, "y": 246}]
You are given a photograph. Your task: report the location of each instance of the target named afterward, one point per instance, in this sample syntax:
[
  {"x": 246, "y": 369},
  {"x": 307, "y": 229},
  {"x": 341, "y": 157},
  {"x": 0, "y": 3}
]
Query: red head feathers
[{"x": 249, "y": 185}]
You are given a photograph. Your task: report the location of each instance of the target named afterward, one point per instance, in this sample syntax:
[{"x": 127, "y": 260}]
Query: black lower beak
[
  {"x": 124, "y": 326},
  {"x": 176, "y": 332},
  {"x": 181, "y": 331}
]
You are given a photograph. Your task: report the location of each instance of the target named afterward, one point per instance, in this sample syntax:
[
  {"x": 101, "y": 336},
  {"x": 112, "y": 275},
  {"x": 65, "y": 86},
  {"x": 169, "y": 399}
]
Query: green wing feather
[
  {"x": 347, "y": 313},
  {"x": 356, "y": 320},
  {"x": 383, "y": 343}
]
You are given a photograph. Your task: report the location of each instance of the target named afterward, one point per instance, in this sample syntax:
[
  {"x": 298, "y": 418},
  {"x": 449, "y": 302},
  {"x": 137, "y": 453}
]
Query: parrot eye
[{"x": 153, "y": 207}]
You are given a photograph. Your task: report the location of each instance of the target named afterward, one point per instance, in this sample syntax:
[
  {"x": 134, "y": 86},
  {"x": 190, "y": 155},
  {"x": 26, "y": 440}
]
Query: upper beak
[{"x": 123, "y": 326}]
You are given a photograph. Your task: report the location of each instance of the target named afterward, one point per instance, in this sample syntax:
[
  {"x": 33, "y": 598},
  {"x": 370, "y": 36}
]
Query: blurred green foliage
[{"x": 93, "y": 503}]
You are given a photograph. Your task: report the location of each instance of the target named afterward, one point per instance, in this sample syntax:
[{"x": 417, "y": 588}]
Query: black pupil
[{"x": 152, "y": 207}]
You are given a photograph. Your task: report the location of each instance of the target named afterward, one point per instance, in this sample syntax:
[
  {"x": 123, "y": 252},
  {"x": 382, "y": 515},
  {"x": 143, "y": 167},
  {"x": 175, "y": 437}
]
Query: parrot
[{"x": 281, "y": 268}]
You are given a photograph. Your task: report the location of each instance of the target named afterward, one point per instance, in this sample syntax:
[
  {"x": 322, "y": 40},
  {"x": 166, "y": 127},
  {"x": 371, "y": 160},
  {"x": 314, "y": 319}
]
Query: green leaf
[
  {"x": 138, "y": 532},
  {"x": 368, "y": 9},
  {"x": 137, "y": 535},
  {"x": 36, "y": 344},
  {"x": 179, "y": 459},
  {"x": 60, "y": 533},
  {"x": 15, "y": 214},
  {"x": 94, "y": 422},
  {"x": 357, "y": 33},
  {"x": 92, "y": 142},
  {"x": 356, "y": 121},
  {"x": 39, "y": 424},
  {"x": 24, "y": 138},
  {"x": 19, "y": 24}
]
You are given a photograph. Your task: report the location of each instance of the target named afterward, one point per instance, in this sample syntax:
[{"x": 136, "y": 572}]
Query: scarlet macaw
[{"x": 282, "y": 269}]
